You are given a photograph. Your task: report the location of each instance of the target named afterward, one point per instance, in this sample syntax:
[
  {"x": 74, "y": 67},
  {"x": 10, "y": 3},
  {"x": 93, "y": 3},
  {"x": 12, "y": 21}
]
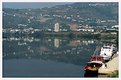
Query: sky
[{"x": 20, "y": 5}]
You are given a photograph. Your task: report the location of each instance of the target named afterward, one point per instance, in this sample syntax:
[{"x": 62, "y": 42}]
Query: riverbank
[
  {"x": 70, "y": 34},
  {"x": 94, "y": 35},
  {"x": 111, "y": 68}
]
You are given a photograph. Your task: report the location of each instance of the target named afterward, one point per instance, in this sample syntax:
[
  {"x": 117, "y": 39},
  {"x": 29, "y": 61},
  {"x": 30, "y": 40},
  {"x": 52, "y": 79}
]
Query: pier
[{"x": 110, "y": 67}]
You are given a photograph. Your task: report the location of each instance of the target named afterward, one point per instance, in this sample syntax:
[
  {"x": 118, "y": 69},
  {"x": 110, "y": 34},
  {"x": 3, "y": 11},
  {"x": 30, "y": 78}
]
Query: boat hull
[{"x": 89, "y": 73}]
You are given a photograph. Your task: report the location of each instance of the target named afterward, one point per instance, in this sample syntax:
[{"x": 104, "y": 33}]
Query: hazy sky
[{"x": 31, "y": 4}]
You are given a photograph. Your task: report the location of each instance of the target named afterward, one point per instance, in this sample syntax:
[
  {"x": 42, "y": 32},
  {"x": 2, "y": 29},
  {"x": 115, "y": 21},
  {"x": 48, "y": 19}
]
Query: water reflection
[
  {"x": 56, "y": 42},
  {"x": 74, "y": 53},
  {"x": 31, "y": 47}
]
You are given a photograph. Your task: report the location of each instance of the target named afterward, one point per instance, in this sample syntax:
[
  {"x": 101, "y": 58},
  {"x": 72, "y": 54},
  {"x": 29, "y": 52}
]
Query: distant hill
[
  {"x": 26, "y": 5},
  {"x": 80, "y": 13}
]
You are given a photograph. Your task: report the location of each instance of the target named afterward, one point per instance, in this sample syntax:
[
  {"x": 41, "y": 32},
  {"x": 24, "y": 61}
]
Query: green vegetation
[
  {"x": 108, "y": 35},
  {"x": 71, "y": 35},
  {"x": 114, "y": 74}
]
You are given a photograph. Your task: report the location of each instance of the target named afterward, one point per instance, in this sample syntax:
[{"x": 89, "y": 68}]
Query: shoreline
[{"x": 110, "y": 69}]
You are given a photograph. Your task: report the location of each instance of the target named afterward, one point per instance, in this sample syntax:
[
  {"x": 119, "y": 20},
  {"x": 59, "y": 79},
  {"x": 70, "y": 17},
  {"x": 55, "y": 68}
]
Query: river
[{"x": 46, "y": 57}]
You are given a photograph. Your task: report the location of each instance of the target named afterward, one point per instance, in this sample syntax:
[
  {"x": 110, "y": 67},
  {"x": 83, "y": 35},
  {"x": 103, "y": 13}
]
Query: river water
[{"x": 46, "y": 57}]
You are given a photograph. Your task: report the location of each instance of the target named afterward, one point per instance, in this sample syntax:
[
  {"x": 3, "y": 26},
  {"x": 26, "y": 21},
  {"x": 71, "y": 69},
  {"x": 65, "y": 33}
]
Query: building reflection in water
[
  {"x": 88, "y": 42},
  {"x": 56, "y": 42},
  {"x": 79, "y": 42},
  {"x": 74, "y": 42}
]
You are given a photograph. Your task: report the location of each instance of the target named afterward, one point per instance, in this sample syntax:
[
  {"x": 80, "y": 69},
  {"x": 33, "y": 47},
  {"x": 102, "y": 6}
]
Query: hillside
[{"x": 93, "y": 14}]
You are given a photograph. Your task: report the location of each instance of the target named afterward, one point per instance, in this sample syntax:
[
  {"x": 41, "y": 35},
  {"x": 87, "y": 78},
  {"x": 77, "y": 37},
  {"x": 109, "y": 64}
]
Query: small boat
[
  {"x": 93, "y": 65},
  {"x": 95, "y": 62},
  {"x": 107, "y": 51}
]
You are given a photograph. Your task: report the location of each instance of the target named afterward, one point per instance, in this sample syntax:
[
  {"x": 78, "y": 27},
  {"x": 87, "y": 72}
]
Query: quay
[{"x": 110, "y": 67}]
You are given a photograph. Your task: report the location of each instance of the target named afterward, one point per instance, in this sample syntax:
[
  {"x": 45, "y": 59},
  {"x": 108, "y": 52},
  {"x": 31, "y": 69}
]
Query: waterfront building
[
  {"x": 86, "y": 29},
  {"x": 115, "y": 26},
  {"x": 56, "y": 28}
]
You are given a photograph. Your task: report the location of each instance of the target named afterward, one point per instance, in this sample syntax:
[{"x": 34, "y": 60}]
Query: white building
[
  {"x": 56, "y": 28},
  {"x": 85, "y": 29},
  {"x": 115, "y": 26}
]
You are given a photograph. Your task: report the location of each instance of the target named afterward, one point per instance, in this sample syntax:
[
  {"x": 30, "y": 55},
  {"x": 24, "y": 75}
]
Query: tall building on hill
[{"x": 56, "y": 28}]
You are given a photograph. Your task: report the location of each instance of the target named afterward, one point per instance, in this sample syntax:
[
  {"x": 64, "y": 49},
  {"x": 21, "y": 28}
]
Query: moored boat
[
  {"x": 95, "y": 62},
  {"x": 93, "y": 65},
  {"x": 107, "y": 51}
]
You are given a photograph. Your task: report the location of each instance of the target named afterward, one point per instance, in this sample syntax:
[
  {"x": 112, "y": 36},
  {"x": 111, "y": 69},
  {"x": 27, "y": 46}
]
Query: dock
[{"x": 111, "y": 66}]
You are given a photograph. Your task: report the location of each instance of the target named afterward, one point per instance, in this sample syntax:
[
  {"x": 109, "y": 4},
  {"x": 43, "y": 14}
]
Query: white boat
[{"x": 107, "y": 51}]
